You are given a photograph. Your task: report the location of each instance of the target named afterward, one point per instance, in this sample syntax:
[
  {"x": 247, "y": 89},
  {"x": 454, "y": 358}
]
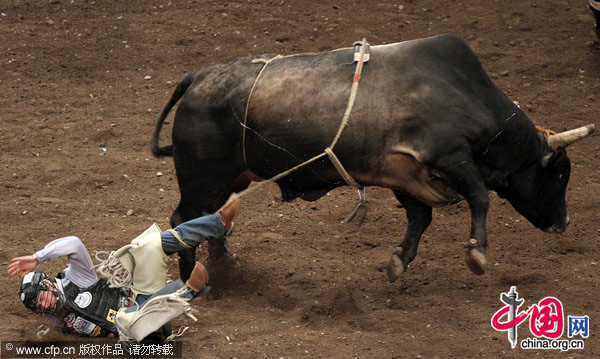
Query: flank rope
[
  {"x": 327, "y": 152},
  {"x": 266, "y": 62}
]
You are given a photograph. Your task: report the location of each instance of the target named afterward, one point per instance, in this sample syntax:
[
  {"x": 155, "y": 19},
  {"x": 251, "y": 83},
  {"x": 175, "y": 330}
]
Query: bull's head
[{"x": 538, "y": 191}]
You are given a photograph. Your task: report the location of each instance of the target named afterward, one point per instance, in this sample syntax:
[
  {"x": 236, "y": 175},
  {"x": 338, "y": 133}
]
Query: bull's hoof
[
  {"x": 476, "y": 260},
  {"x": 395, "y": 268}
]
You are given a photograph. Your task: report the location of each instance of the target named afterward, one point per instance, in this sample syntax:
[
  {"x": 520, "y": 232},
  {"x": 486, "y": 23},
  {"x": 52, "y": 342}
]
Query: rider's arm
[{"x": 80, "y": 270}]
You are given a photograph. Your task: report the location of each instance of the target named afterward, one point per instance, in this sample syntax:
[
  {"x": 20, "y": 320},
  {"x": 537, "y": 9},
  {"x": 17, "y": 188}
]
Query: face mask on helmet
[{"x": 39, "y": 293}]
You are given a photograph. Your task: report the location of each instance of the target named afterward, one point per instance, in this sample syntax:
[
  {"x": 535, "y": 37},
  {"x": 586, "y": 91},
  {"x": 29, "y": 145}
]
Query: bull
[{"x": 427, "y": 123}]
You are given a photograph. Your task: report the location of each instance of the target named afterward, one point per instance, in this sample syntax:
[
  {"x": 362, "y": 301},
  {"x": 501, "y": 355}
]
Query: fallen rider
[{"x": 132, "y": 299}]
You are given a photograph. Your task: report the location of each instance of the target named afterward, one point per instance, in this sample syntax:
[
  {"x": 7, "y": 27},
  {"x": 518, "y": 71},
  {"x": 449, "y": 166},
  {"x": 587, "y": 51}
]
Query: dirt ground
[{"x": 81, "y": 86}]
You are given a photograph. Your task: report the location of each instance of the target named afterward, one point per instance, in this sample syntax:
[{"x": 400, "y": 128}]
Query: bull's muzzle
[{"x": 558, "y": 228}]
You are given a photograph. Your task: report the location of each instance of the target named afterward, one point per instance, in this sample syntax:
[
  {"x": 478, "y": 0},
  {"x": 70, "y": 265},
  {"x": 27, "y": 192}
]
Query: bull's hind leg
[
  {"x": 419, "y": 218},
  {"x": 205, "y": 187},
  {"x": 187, "y": 258}
]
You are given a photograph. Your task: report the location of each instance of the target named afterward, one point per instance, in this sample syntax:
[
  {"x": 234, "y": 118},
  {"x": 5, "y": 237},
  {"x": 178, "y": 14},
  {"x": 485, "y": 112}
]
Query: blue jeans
[{"x": 193, "y": 233}]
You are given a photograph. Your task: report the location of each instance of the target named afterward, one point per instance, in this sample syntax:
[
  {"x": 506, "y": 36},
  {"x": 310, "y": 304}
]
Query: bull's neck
[{"x": 516, "y": 145}]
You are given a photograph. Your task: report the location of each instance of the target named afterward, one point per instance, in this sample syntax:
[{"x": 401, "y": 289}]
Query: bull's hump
[{"x": 444, "y": 38}]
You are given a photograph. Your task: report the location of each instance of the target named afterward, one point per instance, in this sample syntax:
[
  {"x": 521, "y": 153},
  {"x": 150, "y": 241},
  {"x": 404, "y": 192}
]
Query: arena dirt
[{"x": 81, "y": 86}]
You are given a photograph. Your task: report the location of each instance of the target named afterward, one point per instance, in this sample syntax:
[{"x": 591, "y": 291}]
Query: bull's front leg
[
  {"x": 476, "y": 246},
  {"x": 462, "y": 171},
  {"x": 419, "y": 218}
]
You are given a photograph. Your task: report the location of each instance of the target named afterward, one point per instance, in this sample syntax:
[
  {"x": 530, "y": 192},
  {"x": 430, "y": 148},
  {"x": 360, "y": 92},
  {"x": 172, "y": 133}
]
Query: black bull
[{"x": 428, "y": 123}]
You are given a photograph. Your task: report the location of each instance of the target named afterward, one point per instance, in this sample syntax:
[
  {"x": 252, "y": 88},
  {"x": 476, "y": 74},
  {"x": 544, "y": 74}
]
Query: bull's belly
[
  {"x": 399, "y": 172},
  {"x": 404, "y": 174}
]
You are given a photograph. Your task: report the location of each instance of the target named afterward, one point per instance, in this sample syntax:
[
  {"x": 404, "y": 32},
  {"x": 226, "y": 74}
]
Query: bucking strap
[
  {"x": 329, "y": 150},
  {"x": 255, "y": 61},
  {"x": 340, "y": 168}
]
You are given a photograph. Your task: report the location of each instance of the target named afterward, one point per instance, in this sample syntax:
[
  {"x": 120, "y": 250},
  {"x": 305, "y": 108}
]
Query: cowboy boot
[
  {"x": 227, "y": 214},
  {"x": 198, "y": 279}
]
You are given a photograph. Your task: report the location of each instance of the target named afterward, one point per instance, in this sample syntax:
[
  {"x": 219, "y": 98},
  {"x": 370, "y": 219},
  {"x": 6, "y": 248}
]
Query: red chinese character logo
[{"x": 546, "y": 318}]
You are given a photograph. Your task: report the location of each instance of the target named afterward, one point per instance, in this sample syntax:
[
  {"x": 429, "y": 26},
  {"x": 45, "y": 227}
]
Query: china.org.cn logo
[{"x": 546, "y": 323}]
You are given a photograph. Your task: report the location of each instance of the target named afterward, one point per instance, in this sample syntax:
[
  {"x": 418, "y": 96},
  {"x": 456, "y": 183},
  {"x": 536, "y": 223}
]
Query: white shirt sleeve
[{"x": 80, "y": 270}]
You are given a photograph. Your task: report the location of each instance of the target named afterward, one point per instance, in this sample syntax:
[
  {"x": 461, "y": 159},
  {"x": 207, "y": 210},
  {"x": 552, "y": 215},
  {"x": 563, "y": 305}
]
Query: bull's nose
[
  {"x": 554, "y": 229},
  {"x": 558, "y": 228}
]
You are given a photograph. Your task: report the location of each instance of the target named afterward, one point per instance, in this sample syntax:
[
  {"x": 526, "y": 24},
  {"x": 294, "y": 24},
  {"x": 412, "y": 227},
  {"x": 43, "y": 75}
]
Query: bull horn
[{"x": 566, "y": 138}]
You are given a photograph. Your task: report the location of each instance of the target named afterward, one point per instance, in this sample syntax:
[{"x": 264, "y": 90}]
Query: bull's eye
[{"x": 560, "y": 176}]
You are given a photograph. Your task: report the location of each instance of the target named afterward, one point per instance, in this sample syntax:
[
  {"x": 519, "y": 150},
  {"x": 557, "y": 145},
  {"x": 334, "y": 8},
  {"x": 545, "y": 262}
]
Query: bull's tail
[{"x": 182, "y": 87}]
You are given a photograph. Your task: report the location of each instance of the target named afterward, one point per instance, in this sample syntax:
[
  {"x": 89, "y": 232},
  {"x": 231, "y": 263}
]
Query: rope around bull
[{"x": 328, "y": 150}]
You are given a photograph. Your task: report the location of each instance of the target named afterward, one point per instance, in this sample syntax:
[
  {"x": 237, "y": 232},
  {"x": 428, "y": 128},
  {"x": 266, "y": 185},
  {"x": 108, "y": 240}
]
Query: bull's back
[{"x": 406, "y": 89}]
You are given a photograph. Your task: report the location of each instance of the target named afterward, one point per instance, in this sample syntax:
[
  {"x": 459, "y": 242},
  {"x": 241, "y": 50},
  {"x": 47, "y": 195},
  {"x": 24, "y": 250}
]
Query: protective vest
[{"x": 91, "y": 311}]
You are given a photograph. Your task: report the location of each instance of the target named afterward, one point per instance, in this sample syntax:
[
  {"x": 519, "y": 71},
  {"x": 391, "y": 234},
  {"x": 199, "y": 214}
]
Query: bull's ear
[{"x": 552, "y": 158}]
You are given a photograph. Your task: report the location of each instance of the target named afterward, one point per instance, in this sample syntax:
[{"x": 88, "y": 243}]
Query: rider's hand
[{"x": 22, "y": 265}]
